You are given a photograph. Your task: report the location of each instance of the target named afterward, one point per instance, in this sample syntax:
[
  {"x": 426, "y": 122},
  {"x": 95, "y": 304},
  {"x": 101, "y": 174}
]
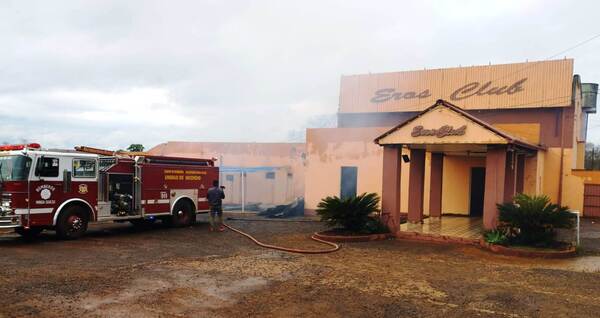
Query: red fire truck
[{"x": 66, "y": 190}]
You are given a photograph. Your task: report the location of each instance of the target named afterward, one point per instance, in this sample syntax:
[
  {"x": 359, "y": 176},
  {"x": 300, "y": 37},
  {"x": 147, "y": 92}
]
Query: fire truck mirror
[
  {"x": 66, "y": 181},
  {"x": 39, "y": 166}
]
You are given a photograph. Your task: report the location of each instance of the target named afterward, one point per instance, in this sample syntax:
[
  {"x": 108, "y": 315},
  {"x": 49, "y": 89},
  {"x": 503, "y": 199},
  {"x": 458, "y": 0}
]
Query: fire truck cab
[{"x": 66, "y": 190}]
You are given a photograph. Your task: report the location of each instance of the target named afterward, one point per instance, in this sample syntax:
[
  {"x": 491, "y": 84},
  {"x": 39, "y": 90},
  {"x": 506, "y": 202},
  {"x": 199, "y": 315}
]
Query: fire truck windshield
[{"x": 14, "y": 168}]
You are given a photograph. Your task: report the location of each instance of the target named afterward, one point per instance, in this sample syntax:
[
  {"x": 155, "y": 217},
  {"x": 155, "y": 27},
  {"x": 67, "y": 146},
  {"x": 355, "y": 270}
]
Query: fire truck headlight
[
  {"x": 5, "y": 211},
  {"x": 5, "y": 203}
]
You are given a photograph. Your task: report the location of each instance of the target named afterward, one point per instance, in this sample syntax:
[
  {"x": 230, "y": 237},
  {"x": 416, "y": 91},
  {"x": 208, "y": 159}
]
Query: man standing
[{"x": 215, "y": 196}]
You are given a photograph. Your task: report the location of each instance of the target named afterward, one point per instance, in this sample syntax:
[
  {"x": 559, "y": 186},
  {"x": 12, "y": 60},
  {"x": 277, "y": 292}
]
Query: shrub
[
  {"x": 532, "y": 220},
  {"x": 495, "y": 237},
  {"x": 375, "y": 226},
  {"x": 353, "y": 214}
]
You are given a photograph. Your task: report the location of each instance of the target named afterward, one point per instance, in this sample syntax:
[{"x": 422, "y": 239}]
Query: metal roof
[{"x": 50, "y": 153}]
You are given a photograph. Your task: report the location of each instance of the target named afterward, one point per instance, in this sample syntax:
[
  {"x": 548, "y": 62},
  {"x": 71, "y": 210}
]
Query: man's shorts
[{"x": 216, "y": 210}]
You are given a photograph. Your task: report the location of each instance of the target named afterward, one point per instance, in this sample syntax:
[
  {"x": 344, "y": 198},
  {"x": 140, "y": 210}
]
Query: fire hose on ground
[{"x": 334, "y": 246}]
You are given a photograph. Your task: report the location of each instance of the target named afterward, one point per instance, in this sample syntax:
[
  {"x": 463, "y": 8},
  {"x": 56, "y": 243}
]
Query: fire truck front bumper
[{"x": 9, "y": 220}]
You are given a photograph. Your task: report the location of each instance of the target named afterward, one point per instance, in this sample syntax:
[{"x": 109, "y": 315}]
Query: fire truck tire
[
  {"x": 72, "y": 223},
  {"x": 183, "y": 215},
  {"x": 29, "y": 233}
]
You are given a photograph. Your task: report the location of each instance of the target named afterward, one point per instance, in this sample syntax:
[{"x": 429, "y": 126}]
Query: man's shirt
[{"x": 215, "y": 196}]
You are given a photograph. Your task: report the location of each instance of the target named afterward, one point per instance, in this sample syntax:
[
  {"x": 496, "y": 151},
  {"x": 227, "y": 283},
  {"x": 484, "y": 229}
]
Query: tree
[{"x": 135, "y": 148}]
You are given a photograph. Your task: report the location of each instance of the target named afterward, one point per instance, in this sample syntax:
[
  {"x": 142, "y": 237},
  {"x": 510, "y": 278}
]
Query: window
[
  {"x": 106, "y": 163},
  {"x": 14, "y": 168},
  {"x": 270, "y": 175},
  {"x": 84, "y": 168},
  {"x": 47, "y": 167},
  {"x": 348, "y": 182}
]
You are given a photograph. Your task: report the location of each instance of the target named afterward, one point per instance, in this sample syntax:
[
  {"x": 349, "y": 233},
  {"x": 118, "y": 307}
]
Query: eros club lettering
[
  {"x": 469, "y": 90},
  {"x": 441, "y": 132}
]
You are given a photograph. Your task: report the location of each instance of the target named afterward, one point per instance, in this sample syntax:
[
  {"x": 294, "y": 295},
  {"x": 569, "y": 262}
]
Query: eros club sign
[
  {"x": 472, "y": 89},
  {"x": 444, "y": 131}
]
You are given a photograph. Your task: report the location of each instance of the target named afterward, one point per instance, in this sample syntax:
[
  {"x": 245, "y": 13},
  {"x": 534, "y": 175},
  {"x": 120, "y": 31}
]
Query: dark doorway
[
  {"x": 348, "y": 182},
  {"x": 477, "y": 191}
]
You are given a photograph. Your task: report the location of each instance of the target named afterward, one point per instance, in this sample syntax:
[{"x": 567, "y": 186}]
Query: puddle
[
  {"x": 589, "y": 264},
  {"x": 182, "y": 293},
  {"x": 224, "y": 292},
  {"x": 139, "y": 288}
]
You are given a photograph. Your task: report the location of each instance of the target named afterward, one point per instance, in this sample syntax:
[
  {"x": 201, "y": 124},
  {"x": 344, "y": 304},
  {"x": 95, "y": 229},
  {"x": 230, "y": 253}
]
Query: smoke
[
  {"x": 111, "y": 73},
  {"x": 318, "y": 121},
  {"x": 10, "y": 141}
]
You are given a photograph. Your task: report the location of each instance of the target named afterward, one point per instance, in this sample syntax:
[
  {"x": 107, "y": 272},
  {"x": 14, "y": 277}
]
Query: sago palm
[
  {"x": 533, "y": 219},
  {"x": 352, "y": 214}
]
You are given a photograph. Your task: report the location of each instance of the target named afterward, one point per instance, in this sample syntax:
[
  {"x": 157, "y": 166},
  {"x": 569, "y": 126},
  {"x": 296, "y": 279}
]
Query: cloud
[{"x": 111, "y": 73}]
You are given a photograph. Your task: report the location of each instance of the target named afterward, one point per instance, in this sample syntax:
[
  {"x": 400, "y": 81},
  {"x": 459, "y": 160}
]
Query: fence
[{"x": 256, "y": 188}]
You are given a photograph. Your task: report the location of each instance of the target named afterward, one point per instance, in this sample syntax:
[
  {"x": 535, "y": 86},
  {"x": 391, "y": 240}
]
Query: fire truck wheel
[
  {"x": 72, "y": 223},
  {"x": 182, "y": 215},
  {"x": 29, "y": 233}
]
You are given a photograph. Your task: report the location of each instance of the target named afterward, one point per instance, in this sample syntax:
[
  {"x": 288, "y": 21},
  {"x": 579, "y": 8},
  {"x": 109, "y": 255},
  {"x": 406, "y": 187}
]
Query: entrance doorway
[{"x": 477, "y": 191}]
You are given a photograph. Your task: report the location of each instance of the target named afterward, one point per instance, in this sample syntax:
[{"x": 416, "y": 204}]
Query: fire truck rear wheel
[
  {"x": 72, "y": 223},
  {"x": 182, "y": 215},
  {"x": 29, "y": 233}
]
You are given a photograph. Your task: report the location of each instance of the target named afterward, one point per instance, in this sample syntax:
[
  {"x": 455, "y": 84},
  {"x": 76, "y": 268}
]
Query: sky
[{"x": 111, "y": 73}]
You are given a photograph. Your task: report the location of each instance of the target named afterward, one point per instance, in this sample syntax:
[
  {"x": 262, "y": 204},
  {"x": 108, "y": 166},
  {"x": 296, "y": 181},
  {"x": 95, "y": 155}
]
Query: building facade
[
  {"x": 252, "y": 173},
  {"x": 454, "y": 141}
]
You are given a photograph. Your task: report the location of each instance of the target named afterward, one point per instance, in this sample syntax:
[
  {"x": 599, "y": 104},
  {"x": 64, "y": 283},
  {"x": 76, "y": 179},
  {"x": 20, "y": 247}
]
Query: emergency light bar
[{"x": 20, "y": 147}]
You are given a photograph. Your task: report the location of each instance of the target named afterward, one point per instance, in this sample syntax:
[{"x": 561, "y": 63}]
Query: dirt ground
[{"x": 118, "y": 271}]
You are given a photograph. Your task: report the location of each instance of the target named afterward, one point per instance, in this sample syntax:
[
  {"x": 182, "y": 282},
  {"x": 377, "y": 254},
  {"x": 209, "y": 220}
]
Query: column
[
  {"x": 520, "y": 173},
  {"x": 510, "y": 180},
  {"x": 390, "y": 192},
  {"x": 435, "y": 187},
  {"x": 416, "y": 184},
  {"x": 495, "y": 170}
]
